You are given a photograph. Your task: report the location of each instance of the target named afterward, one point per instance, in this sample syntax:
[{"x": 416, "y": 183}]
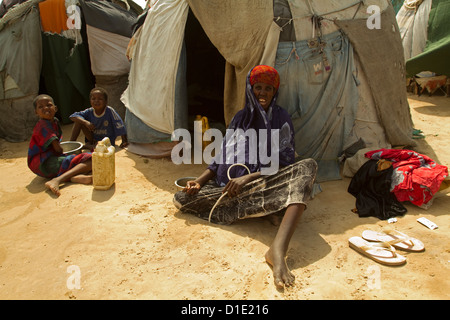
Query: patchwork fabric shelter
[
  {"x": 109, "y": 29},
  {"x": 20, "y": 68},
  {"x": 333, "y": 71},
  {"x": 61, "y": 48}
]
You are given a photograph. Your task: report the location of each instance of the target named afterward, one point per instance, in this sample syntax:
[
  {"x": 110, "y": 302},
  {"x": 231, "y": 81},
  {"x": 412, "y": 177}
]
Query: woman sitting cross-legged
[{"x": 258, "y": 187}]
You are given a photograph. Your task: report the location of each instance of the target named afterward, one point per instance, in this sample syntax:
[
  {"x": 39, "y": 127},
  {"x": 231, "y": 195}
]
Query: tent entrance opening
[{"x": 205, "y": 73}]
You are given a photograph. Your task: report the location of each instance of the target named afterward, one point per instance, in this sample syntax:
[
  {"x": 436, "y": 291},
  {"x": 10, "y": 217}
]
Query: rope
[{"x": 224, "y": 194}]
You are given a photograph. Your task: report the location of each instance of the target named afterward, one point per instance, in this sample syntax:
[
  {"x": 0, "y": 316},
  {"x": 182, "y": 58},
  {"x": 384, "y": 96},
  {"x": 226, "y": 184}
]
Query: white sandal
[
  {"x": 381, "y": 252},
  {"x": 395, "y": 238}
]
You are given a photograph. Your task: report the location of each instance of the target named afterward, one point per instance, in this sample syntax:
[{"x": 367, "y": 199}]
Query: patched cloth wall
[
  {"x": 381, "y": 54},
  {"x": 20, "y": 67}
]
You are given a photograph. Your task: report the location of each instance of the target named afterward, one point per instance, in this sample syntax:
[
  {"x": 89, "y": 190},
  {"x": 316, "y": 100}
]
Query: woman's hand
[
  {"x": 192, "y": 187},
  {"x": 235, "y": 185}
]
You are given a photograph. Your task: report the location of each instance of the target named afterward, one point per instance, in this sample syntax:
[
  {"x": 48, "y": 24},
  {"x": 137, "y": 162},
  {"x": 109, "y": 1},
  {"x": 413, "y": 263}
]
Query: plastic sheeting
[
  {"x": 108, "y": 16},
  {"x": 437, "y": 50},
  {"x": 107, "y": 52},
  {"x": 150, "y": 95},
  {"x": 20, "y": 67},
  {"x": 413, "y": 25}
]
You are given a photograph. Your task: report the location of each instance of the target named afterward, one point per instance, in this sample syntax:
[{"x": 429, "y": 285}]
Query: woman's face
[{"x": 264, "y": 93}]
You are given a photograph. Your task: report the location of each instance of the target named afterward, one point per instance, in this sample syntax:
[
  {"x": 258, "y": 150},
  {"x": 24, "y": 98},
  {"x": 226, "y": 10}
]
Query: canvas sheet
[
  {"x": 19, "y": 118},
  {"x": 108, "y": 16},
  {"x": 437, "y": 50},
  {"x": 107, "y": 52},
  {"x": 150, "y": 95},
  {"x": 381, "y": 52},
  {"x": 21, "y": 56},
  {"x": 413, "y": 25}
]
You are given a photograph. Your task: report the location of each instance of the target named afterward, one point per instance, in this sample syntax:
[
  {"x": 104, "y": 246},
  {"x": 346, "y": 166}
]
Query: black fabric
[
  {"x": 371, "y": 188},
  {"x": 282, "y": 14},
  {"x": 109, "y": 17}
]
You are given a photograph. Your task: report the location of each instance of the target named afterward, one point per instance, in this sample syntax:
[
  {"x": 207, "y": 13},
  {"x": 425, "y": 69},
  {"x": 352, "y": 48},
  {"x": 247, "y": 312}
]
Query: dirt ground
[{"x": 131, "y": 243}]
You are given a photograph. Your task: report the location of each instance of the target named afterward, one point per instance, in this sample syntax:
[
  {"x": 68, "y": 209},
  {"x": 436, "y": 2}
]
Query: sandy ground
[{"x": 131, "y": 243}]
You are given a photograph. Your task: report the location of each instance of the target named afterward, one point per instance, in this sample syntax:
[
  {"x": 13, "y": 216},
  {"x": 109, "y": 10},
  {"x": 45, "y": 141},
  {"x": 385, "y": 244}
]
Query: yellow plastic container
[
  {"x": 103, "y": 165},
  {"x": 205, "y": 126}
]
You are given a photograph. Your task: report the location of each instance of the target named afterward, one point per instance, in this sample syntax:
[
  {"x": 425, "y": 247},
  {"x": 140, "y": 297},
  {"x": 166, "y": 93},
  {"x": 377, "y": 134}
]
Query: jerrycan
[
  {"x": 103, "y": 165},
  {"x": 205, "y": 126}
]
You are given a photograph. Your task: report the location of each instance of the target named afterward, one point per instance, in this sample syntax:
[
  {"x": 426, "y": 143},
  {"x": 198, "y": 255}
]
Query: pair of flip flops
[{"x": 381, "y": 246}]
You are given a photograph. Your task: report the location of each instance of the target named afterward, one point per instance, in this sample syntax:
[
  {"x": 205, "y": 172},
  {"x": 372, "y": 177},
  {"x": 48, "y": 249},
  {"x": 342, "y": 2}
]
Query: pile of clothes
[{"x": 393, "y": 176}]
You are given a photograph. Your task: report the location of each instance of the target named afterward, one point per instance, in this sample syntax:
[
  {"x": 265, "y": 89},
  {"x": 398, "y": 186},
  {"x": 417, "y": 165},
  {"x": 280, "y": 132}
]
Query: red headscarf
[{"x": 265, "y": 74}]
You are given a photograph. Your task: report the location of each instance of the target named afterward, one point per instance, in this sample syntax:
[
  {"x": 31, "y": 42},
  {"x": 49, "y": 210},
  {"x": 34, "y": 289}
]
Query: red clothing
[
  {"x": 416, "y": 177},
  {"x": 40, "y": 150}
]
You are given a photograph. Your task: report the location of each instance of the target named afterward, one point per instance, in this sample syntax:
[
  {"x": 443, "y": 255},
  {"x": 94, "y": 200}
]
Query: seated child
[
  {"x": 98, "y": 122},
  {"x": 45, "y": 154}
]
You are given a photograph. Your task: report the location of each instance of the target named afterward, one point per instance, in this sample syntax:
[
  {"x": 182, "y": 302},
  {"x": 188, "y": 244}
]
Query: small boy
[
  {"x": 98, "y": 121},
  {"x": 45, "y": 154}
]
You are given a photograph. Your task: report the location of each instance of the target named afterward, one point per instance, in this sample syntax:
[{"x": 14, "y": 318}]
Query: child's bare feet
[
  {"x": 53, "y": 186},
  {"x": 281, "y": 273},
  {"x": 83, "y": 179}
]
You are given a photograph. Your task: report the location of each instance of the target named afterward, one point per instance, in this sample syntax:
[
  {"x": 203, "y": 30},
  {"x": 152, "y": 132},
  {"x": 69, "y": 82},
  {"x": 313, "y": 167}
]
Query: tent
[
  {"x": 20, "y": 67},
  {"x": 62, "y": 48},
  {"x": 426, "y": 40},
  {"x": 353, "y": 99}
]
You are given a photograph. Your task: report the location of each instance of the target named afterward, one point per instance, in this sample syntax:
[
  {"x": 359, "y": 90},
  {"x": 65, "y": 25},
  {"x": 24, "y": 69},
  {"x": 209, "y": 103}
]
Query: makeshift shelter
[
  {"x": 344, "y": 90},
  {"x": 62, "y": 48},
  {"x": 20, "y": 67},
  {"x": 66, "y": 74},
  {"x": 109, "y": 28}
]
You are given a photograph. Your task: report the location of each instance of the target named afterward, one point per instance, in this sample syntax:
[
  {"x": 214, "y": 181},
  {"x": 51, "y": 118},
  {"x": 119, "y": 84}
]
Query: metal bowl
[
  {"x": 181, "y": 183},
  {"x": 71, "y": 147}
]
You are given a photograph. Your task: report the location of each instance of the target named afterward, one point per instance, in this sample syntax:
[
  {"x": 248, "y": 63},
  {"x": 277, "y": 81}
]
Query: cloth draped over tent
[
  {"x": 65, "y": 68},
  {"x": 155, "y": 65},
  {"x": 20, "y": 66},
  {"x": 368, "y": 104},
  {"x": 335, "y": 109},
  {"x": 323, "y": 102},
  {"x": 53, "y": 16},
  {"x": 413, "y": 24},
  {"x": 109, "y": 29},
  {"x": 222, "y": 23},
  {"x": 377, "y": 60},
  {"x": 435, "y": 56}
]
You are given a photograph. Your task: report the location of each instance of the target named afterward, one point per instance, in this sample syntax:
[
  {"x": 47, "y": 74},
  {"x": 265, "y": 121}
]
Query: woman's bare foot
[
  {"x": 53, "y": 186},
  {"x": 281, "y": 273},
  {"x": 83, "y": 179}
]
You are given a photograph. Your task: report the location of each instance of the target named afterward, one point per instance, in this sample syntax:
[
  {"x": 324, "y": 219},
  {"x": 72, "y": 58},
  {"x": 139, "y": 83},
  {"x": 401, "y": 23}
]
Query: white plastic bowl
[{"x": 181, "y": 183}]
